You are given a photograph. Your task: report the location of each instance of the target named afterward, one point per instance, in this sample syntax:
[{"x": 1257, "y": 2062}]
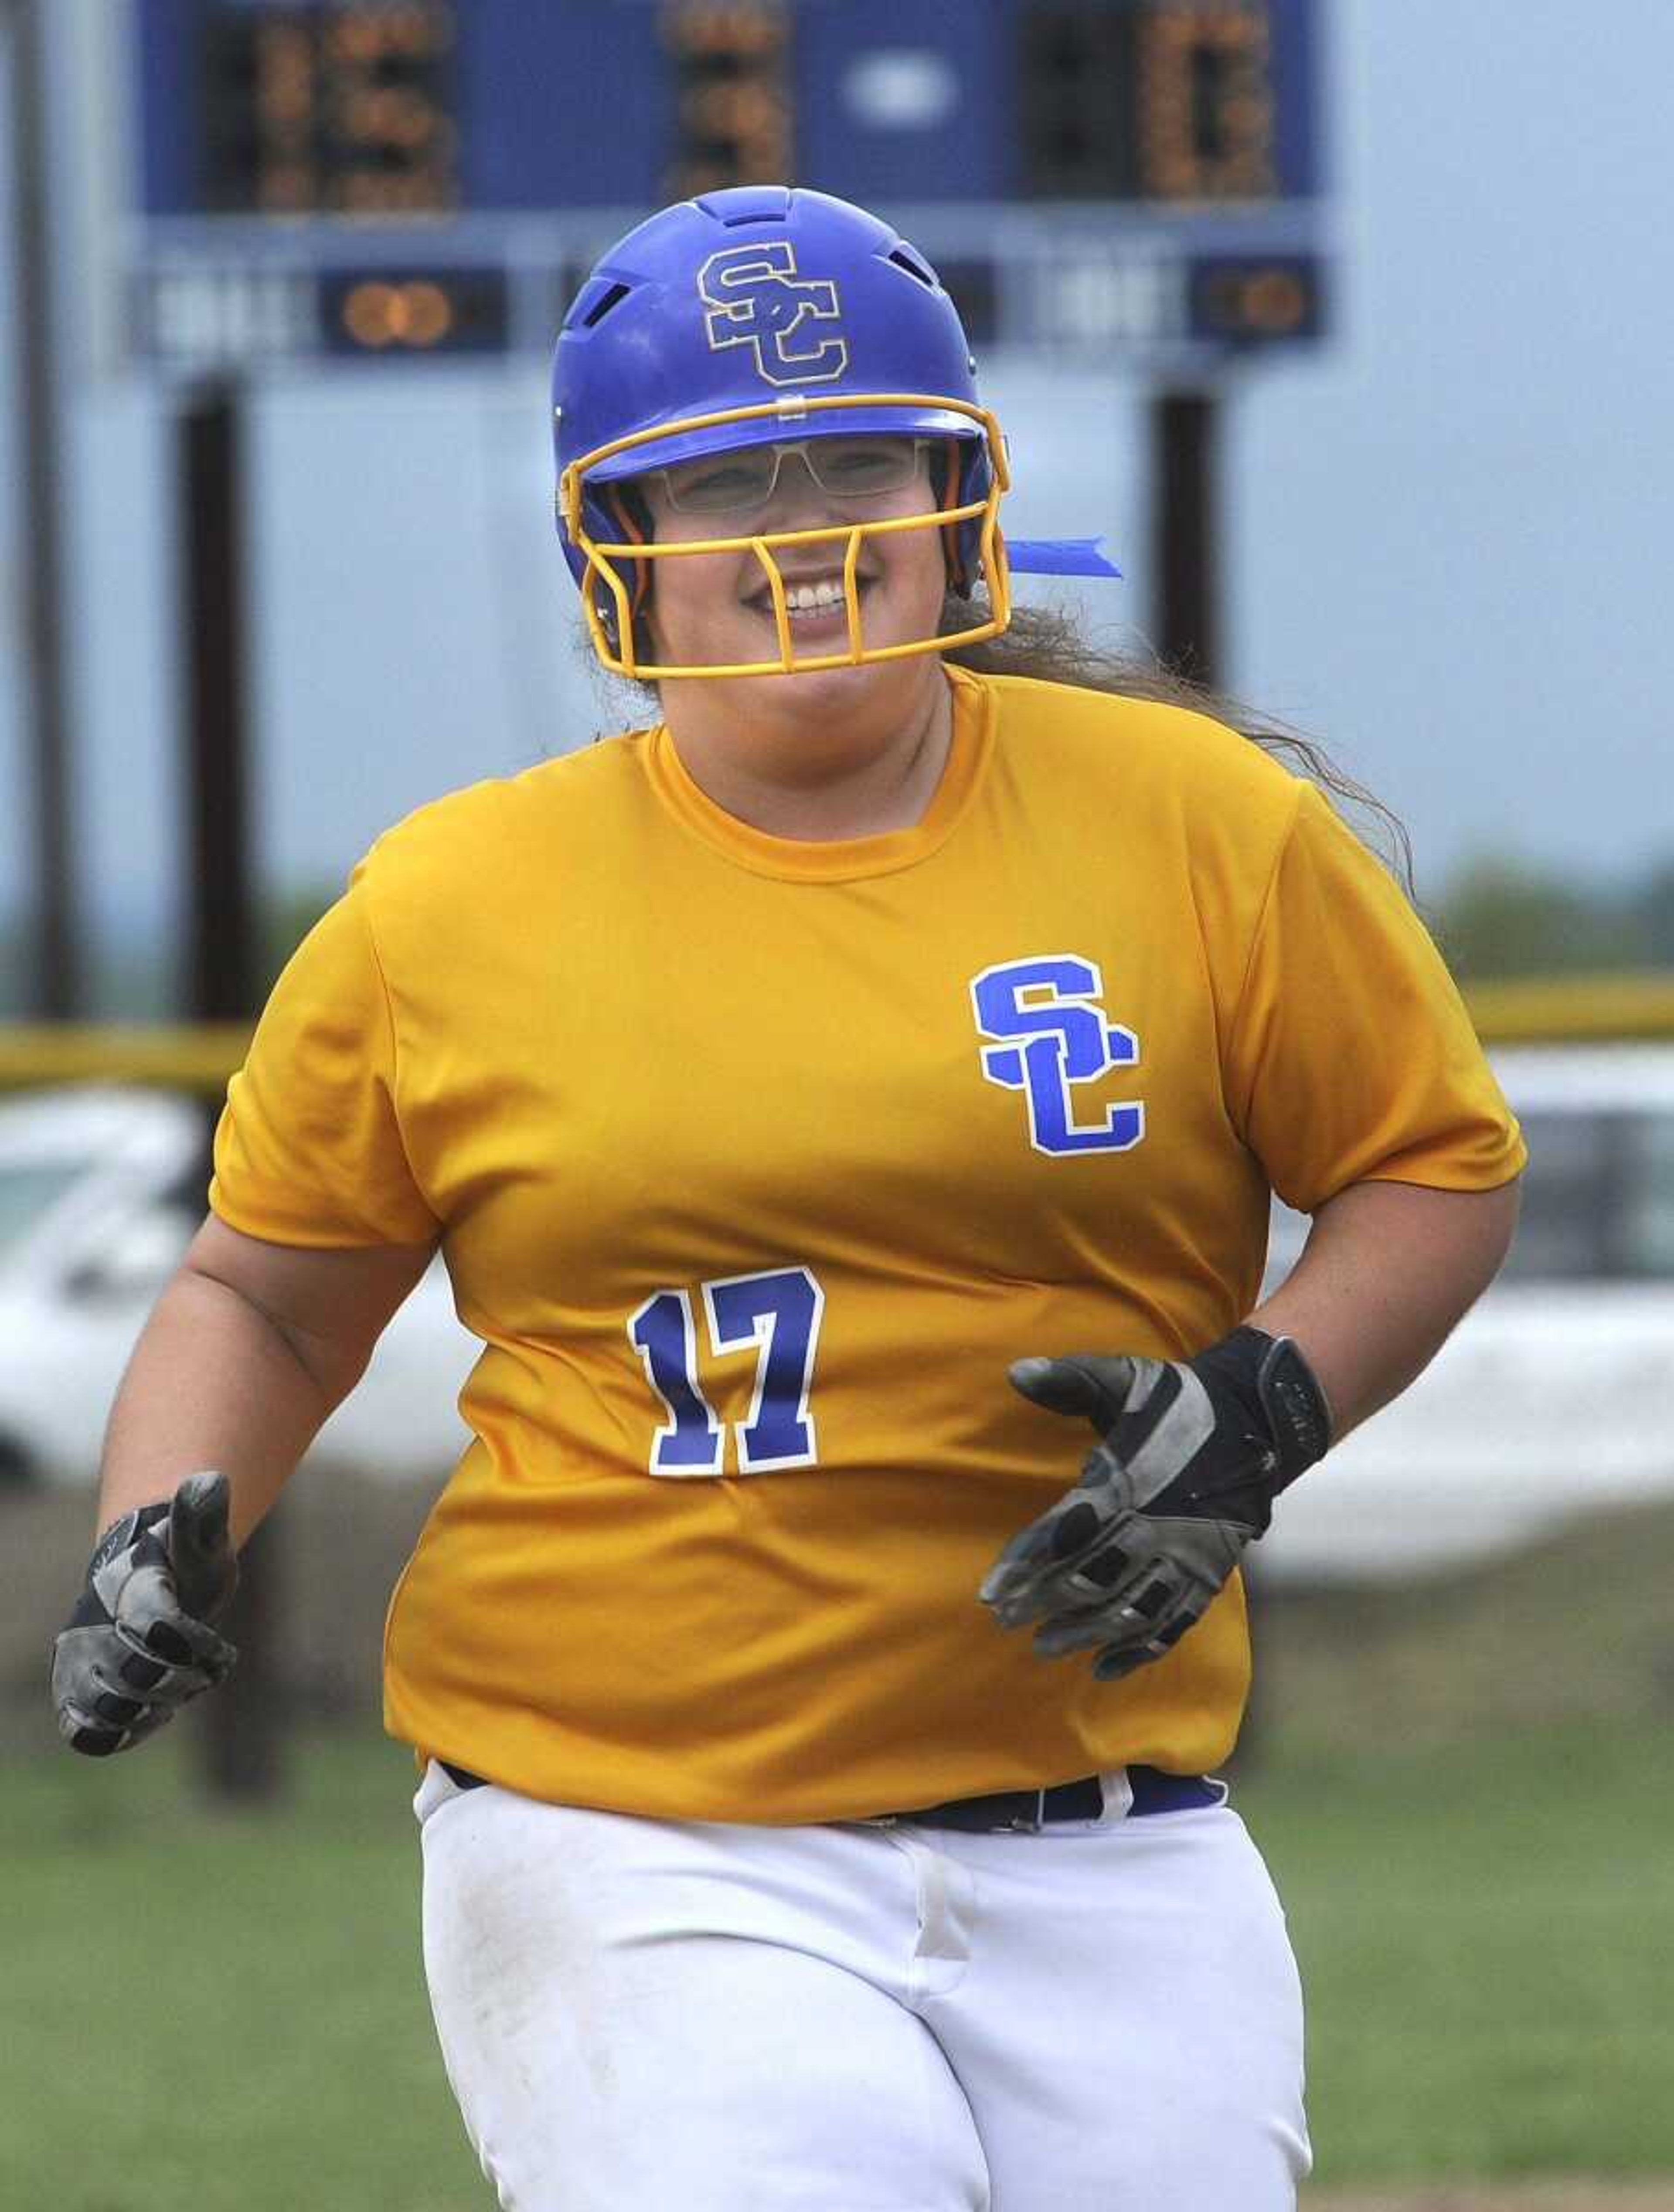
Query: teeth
[
  {"x": 810, "y": 599},
  {"x": 819, "y": 595}
]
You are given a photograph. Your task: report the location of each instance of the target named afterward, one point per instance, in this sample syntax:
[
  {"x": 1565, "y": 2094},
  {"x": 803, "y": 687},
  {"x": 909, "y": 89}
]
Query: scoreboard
[{"x": 405, "y": 176}]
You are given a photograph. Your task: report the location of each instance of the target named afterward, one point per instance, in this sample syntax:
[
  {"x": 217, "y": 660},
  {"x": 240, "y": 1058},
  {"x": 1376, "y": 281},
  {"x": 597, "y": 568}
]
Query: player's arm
[
  {"x": 249, "y": 1349},
  {"x": 1388, "y": 1271},
  {"x": 247, "y": 1352},
  {"x": 1191, "y": 1453}
]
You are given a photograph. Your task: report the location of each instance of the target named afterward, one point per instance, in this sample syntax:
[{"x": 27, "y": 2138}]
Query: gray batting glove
[
  {"x": 1190, "y": 1456},
  {"x": 138, "y": 1645}
]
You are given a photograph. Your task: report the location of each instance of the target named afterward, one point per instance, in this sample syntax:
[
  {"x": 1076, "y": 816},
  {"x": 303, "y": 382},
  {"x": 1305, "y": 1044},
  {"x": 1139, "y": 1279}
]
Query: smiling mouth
[{"x": 809, "y": 600}]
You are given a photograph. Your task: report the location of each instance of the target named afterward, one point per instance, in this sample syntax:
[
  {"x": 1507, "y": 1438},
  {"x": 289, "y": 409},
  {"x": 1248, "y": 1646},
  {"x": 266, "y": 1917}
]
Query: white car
[{"x": 100, "y": 1191}]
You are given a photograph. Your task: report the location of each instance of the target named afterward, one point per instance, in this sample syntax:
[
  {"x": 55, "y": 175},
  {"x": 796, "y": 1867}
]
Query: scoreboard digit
[
  {"x": 1165, "y": 102},
  {"x": 1204, "y": 101},
  {"x": 732, "y": 97},
  {"x": 341, "y": 111}
]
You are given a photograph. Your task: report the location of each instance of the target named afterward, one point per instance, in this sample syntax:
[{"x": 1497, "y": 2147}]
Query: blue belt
[{"x": 1026, "y": 1810}]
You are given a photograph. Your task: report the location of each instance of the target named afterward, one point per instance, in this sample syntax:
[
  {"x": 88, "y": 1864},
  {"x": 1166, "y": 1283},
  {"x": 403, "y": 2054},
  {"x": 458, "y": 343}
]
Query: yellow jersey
[{"x": 756, "y": 1162}]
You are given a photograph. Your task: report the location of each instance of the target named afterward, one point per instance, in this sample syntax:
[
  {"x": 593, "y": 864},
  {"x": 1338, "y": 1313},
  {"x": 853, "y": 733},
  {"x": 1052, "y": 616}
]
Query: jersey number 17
[{"x": 779, "y": 1313}]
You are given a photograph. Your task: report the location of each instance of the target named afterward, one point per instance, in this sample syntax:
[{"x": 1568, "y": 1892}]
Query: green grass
[
  {"x": 229, "y": 2011},
  {"x": 1463, "y": 1788},
  {"x": 1483, "y": 1932},
  {"x": 226, "y": 2012}
]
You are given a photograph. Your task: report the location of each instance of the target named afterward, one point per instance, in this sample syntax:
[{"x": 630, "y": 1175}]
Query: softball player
[{"x": 817, "y": 1775}]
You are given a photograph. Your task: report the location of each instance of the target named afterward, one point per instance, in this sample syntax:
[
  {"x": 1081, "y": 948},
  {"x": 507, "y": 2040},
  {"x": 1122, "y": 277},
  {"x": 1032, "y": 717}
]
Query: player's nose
[{"x": 798, "y": 502}]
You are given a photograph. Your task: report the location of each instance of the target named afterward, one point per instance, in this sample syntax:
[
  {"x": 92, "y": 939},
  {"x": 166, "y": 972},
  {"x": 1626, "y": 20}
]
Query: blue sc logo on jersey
[{"x": 1051, "y": 1034}]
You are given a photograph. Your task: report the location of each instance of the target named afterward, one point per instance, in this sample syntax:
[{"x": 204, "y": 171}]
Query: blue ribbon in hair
[{"x": 1059, "y": 557}]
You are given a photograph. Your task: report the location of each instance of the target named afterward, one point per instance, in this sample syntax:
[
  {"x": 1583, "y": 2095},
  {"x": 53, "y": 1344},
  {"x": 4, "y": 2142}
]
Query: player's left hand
[
  {"x": 138, "y": 1645},
  {"x": 1191, "y": 1453}
]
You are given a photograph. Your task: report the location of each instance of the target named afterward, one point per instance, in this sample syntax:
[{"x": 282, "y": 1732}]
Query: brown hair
[{"x": 1048, "y": 644}]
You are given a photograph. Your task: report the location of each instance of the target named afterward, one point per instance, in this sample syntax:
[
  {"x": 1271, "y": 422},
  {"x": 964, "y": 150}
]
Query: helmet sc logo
[{"x": 753, "y": 296}]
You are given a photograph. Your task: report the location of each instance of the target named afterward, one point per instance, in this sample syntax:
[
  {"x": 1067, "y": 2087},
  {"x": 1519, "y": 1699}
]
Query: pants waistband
[{"x": 1026, "y": 1810}]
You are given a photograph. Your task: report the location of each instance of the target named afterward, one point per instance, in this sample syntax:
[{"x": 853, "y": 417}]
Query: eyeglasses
[{"x": 843, "y": 468}]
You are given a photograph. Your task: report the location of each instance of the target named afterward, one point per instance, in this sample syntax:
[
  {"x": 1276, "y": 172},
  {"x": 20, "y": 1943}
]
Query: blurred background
[{"x": 1344, "y": 325}]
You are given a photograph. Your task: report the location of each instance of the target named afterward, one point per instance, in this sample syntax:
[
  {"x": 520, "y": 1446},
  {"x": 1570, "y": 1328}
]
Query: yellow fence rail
[
  {"x": 184, "y": 1057},
  {"x": 199, "y": 1057},
  {"x": 1575, "y": 1010}
]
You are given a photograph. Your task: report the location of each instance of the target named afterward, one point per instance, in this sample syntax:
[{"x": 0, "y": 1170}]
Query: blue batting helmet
[{"x": 738, "y": 319}]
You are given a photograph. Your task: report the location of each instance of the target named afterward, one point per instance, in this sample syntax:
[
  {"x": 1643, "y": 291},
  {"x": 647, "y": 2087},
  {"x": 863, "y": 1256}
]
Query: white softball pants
[{"x": 665, "y": 2016}]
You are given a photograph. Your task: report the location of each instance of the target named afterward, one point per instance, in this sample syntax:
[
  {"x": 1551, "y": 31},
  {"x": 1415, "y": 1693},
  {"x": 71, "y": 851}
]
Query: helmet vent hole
[
  {"x": 612, "y": 297},
  {"x": 914, "y": 267}
]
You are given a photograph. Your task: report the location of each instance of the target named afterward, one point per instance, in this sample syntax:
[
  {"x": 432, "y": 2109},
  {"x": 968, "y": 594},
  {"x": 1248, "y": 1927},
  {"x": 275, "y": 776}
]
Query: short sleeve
[
  {"x": 310, "y": 1149},
  {"x": 1351, "y": 1056}
]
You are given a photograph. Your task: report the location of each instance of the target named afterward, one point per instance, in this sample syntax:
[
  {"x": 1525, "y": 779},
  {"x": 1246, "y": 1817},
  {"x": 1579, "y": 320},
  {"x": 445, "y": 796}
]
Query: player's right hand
[{"x": 138, "y": 1645}]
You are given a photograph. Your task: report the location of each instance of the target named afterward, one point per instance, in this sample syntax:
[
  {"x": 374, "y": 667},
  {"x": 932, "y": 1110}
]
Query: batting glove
[
  {"x": 1190, "y": 1456},
  {"x": 138, "y": 1645}
]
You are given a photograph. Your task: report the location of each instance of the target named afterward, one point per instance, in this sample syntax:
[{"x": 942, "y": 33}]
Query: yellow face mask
[{"x": 622, "y": 568}]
